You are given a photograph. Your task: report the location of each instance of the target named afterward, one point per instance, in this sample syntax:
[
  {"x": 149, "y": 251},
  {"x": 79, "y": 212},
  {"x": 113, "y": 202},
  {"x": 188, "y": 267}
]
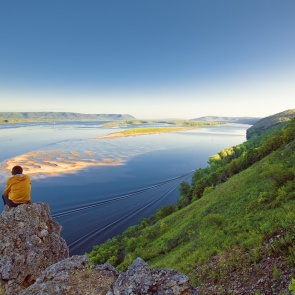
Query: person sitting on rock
[{"x": 18, "y": 188}]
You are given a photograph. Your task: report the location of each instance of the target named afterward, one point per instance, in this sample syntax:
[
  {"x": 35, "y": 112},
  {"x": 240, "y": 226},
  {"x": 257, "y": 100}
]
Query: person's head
[{"x": 17, "y": 170}]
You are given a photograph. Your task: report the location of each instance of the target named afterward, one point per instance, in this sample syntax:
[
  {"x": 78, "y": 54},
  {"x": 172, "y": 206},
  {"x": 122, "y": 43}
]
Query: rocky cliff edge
[
  {"x": 35, "y": 260},
  {"x": 30, "y": 241}
]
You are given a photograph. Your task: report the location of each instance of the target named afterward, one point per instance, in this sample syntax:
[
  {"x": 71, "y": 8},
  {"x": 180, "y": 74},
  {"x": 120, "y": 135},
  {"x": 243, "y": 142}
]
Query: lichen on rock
[
  {"x": 74, "y": 275},
  {"x": 141, "y": 279},
  {"x": 30, "y": 241}
]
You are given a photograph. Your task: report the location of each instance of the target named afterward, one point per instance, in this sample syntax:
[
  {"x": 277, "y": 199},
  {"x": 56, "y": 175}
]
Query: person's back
[{"x": 18, "y": 188}]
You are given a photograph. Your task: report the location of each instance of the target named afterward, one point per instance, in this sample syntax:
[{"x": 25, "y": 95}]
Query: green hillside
[
  {"x": 233, "y": 229},
  {"x": 59, "y": 116},
  {"x": 268, "y": 122}
]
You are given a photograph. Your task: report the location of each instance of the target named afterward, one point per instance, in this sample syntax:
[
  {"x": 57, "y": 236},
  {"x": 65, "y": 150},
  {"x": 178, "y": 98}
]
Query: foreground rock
[
  {"x": 29, "y": 242},
  {"x": 35, "y": 260},
  {"x": 140, "y": 279},
  {"x": 75, "y": 275}
]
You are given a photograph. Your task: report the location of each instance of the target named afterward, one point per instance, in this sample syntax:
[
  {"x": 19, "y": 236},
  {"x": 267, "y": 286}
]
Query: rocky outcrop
[
  {"x": 30, "y": 241},
  {"x": 34, "y": 260},
  {"x": 76, "y": 275},
  {"x": 141, "y": 279}
]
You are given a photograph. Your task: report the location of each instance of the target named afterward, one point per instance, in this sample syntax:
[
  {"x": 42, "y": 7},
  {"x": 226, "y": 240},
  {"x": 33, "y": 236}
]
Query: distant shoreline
[{"x": 22, "y": 117}]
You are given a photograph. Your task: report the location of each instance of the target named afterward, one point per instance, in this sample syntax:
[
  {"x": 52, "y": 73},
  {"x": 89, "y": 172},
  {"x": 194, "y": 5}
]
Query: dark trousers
[{"x": 8, "y": 202}]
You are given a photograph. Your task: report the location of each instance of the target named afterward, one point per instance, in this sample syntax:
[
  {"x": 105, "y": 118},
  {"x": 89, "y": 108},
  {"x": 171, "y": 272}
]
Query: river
[{"x": 97, "y": 202}]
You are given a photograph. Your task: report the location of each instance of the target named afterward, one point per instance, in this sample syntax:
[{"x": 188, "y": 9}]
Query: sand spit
[
  {"x": 57, "y": 162},
  {"x": 127, "y": 133}
]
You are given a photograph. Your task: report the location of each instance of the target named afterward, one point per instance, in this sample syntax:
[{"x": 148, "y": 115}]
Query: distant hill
[
  {"x": 271, "y": 121},
  {"x": 240, "y": 120},
  {"x": 60, "y": 116}
]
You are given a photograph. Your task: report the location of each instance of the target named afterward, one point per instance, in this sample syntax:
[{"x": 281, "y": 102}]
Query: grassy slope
[
  {"x": 236, "y": 220},
  {"x": 269, "y": 122},
  {"x": 238, "y": 213}
]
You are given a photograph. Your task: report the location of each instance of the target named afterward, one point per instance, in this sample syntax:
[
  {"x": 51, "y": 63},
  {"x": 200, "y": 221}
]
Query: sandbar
[
  {"x": 42, "y": 163},
  {"x": 135, "y": 132}
]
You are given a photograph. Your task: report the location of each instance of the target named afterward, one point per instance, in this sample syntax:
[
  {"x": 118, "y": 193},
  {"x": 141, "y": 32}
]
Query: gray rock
[
  {"x": 141, "y": 279},
  {"x": 30, "y": 241},
  {"x": 74, "y": 275},
  {"x": 34, "y": 260}
]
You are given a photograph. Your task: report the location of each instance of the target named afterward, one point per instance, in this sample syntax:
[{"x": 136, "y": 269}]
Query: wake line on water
[
  {"x": 89, "y": 235},
  {"x": 129, "y": 215},
  {"x": 118, "y": 198}
]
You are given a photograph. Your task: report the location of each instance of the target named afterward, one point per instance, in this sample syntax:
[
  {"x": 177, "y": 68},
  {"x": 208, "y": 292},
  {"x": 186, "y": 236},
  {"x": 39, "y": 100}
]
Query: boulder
[
  {"x": 141, "y": 279},
  {"x": 30, "y": 241},
  {"x": 74, "y": 275}
]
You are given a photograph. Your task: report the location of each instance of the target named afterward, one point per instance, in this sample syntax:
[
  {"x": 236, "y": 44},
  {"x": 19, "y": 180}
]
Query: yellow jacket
[{"x": 18, "y": 188}]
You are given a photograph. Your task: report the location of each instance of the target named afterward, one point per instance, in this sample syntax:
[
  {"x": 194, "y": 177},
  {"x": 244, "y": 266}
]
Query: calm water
[{"x": 97, "y": 203}]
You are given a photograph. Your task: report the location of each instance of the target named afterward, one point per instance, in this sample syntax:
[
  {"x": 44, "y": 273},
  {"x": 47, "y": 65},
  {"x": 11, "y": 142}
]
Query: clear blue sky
[{"x": 148, "y": 58}]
